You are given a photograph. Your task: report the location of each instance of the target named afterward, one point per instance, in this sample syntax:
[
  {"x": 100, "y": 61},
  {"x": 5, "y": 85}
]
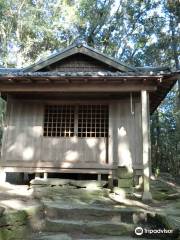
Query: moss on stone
[
  {"x": 125, "y": 183},
  {"x": 124, "y": 172},
  {"x": 159, "y": 195},
  {"x": 13, "y": 225},
  {"x": 13, "y": 218},
  {"x": 14, "y": 233}
]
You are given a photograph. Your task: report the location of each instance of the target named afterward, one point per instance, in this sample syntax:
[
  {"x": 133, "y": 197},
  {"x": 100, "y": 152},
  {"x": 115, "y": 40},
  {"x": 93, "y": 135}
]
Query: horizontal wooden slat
[
  {"x": 75, "y": 88},
  {"x": 57, "y": 170},
  {"x": 53, "y": 164}
]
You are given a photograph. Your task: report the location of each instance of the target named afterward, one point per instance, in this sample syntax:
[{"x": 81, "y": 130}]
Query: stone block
[
  {"x": 124, "y": 172},
  {"x": 125, "y": 183}
]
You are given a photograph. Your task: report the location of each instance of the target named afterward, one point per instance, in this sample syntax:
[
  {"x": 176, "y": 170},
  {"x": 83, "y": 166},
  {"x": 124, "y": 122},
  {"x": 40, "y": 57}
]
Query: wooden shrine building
[{"x": 80, "y": 111}]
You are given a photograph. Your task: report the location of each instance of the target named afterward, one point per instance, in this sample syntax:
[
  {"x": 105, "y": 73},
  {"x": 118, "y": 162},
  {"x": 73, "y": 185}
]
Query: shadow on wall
[
  {"x": 31, "y": 147},
  {"x": 65, "y": 151}
]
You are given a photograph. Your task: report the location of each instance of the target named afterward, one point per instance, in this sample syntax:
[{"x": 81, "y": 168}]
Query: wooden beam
[
  {"x": 52, "y": 164},
  {"x": 102, "y": 87},
  {"x": 45, "y": 175},
  {"x": 52, "y": 59},
  {"x": 99, "y": 177},
  {"x": 57, "y": 170},
  {"x": 145, "y": 136},
  {"x": 2, "y": 175},
  {"x": 104, "y": 59}
]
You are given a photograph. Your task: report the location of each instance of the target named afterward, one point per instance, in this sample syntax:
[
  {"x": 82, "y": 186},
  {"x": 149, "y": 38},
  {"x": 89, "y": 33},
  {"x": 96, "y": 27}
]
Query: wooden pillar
[
  {"x": 110, "y": 144},
  {"x": 146, "y": 146},
  {"x": 45, "y": 175},
  {"x": 110, "y": 181},
  {"x": 37, "y": 175},
  {"x": 99, "y": 177},
  {"x": 2, "y": 176}
]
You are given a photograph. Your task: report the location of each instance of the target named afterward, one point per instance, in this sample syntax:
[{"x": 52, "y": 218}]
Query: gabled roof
[
  {"x": 114, "y": 72},
  {"x": 75, "y": 49}
]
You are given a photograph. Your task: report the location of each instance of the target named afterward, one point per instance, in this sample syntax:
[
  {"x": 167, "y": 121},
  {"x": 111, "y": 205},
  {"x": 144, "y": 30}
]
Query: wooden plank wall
[
  {"x": 24, "y": 131},
  {"x": 79, "y": 63},
  {"x": 74, "y": 152},
  {"x": 127, "y": 137},
  {"x": 23, "y": 140}
]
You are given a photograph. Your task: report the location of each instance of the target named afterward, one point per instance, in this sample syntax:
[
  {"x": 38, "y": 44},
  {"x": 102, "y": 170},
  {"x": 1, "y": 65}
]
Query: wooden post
[
  {"x": 145, "y": 137},
  {"x": 45, "y": 175},
  {"x": 99, "y": 177},
  {"x": 37, "y": 175},
  {"x": 110, "y": 181},
  {"x": 2, "y": 176}
]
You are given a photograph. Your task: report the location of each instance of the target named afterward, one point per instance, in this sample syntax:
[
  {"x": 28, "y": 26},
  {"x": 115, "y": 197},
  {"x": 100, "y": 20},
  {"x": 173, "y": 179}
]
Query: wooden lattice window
[
  {"x": 93, "y": 120},
  {"x": 59, "y": 121}
]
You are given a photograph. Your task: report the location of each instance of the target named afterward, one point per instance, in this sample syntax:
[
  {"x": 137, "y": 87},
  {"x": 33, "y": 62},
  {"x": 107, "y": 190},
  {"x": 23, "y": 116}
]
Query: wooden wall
[
  {"x": 22, "y": 138},
  {"x": 24, "y": 144},
  {"x": 79, "y": 63},
  {"x": 126, "y": 134}
]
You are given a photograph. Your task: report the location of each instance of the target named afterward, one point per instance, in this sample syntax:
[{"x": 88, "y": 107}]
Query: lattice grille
[
  {"x": 59, "y": 121},
  {"x": 93, "y": 121}
]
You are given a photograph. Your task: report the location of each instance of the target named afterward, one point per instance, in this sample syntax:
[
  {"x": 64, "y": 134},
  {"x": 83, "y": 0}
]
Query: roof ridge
[{"x": 78, "y": 48}]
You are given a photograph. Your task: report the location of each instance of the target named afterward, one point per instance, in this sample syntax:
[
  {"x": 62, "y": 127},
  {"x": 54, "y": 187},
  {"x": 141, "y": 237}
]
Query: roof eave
[{"x": 73, "y": 49}]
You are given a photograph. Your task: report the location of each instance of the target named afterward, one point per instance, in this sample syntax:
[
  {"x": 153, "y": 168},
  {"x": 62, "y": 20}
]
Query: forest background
[{"x": 139, "y": 33}]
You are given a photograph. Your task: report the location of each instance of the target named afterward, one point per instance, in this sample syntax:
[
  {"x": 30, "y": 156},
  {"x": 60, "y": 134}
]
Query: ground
[{"x": 68, "y": 210}]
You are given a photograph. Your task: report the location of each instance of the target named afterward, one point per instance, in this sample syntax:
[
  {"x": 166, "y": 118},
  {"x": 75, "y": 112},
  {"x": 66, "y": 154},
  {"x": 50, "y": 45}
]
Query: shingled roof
[
  {"x": 83, "y": 49},
  {"x": 118, "y": 71}
]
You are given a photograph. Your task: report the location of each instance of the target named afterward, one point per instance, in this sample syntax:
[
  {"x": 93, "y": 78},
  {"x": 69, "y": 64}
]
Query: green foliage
[
  {"x": 133, "y": 31},
  {"x": 165, "y": 136}
]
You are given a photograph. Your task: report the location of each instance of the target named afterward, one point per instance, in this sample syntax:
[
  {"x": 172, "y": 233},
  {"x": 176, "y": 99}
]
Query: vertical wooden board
[
  {"x": 73, "y": 150},
  {"x": 5, "y": 130},
  {"x": 145, "y": 138},
  {"x": 93, "y": 150},
  {"x": 113, "y": 120},
  {"x": 125, "y": 134},
  {"x": 138, "y": 136},
  {"x": 24, "y": 132}
]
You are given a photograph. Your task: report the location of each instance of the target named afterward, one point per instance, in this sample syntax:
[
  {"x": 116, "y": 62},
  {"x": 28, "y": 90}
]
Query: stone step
[
  {"x": 86, "y": 227},
  {"x": 63, "y": 236},
  {"x": 132, "y": 216},
  {"x": 88, "y": 184}
]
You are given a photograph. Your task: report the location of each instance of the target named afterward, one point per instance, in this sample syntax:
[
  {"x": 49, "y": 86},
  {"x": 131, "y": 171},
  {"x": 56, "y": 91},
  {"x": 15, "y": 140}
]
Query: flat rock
[
  {"x": 93, "y": 227},
  {"x": 73, "y": 196},
  {"x": 49, "y": 181},
  {"x": 67, "y": 237},
  {"x": 90, "y": 184},
  {"x": 173, "y": 196},
  {"x": 53, "y": 237}
]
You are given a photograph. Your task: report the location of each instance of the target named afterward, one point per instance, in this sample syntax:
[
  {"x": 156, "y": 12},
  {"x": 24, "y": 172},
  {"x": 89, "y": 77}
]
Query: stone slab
[
  {"x": 68, "y": 237},
  {"x": 53, "y": 237},
  {"x": 64, "y": 182},
  {"x": 93, "y": 227},
  {"x": 123, "y": 172},
  {"x": 125, "y": 183}
]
